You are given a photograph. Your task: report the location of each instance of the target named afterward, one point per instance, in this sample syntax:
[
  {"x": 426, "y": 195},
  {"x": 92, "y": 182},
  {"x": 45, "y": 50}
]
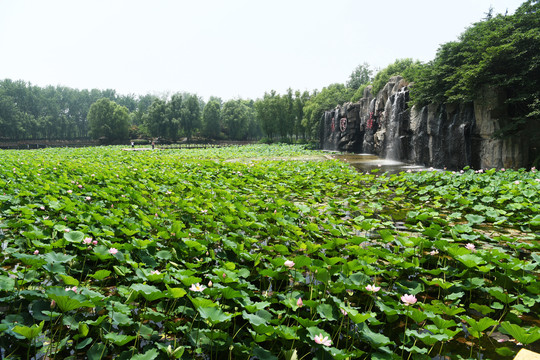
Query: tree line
[{"x": 501, "y": 51}]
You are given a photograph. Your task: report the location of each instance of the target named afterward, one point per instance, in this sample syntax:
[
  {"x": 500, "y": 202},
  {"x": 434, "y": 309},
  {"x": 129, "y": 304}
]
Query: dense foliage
[
  {"x": 31, "y": 112},
  {"x": 108, "y": 120},
  {"x": 407, "y": 68},
  {"x": 262, "y": 251},
  {"x": 281, "y": 116},
  {"x": 502, "y": 51}
]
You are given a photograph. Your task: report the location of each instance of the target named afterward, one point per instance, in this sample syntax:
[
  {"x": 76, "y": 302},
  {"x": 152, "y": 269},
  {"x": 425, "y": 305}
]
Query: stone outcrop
[{"x": 438, "y": 135}]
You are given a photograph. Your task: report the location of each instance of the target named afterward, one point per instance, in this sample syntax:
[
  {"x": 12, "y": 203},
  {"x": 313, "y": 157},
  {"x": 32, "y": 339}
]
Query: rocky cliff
[{"x": 438, "y": 135}]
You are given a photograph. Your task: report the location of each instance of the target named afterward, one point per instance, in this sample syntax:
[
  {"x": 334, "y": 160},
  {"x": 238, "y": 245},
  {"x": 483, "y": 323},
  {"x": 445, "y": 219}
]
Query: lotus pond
[{"x": 262, "y": 252}]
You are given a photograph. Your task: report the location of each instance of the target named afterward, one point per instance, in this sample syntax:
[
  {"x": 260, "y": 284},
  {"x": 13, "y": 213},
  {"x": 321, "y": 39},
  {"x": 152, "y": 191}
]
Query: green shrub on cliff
[{"x": 408, "y": 68}]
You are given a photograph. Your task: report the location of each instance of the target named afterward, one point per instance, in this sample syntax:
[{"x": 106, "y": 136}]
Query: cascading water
[{"x": 396, "y": 127}]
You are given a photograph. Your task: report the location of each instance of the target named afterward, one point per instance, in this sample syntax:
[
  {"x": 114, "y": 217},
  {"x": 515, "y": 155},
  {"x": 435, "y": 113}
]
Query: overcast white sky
[{"x": 225, "y": 48}]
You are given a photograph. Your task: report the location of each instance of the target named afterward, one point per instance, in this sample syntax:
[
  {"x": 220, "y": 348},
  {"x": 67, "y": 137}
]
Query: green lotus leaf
[
  {"x": 68, "y": 300},
  {"x": 475, "y": 219},
  {"x": 149, "y": 292},
  {"x": 375, "y": 339},
  {"x": 6, "y": 283},
  {"x": 100, "y": 274},
  {"x": 415, "y": 314},
  {"x": 263, "y": 354},
  {"x": 69, "y": 280},
  {"x": 29, "y": 332},
  {"x": 326, "y": 311},
  {"x": 522, "y": 335},
  {"x": 288, "y": 333},
  {"x": 148, "y": 355},
  {"x": 261, "y": 317},
  {"x": 484, "y": 309},
  {"x": 535, "y": 221},
  {"x": 229, "y": 293},
  {"x": 164, "y": 255},
  {"x": 29, "y": 259},
  {"x": 176, "y": 293},
  {"x": 500, "y": 294},
  {"x": 470, "y": 260},
  {"x": 214, "y": 315},
  {"x": 119, "y": 339},
  {"x": 199, "y": 302},
  {"x": 74, "y": 236},
  {"x": 476, "y": 328}
]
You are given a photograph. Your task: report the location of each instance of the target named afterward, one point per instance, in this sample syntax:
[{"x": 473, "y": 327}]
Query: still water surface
[{"x": 368, "y": 162}]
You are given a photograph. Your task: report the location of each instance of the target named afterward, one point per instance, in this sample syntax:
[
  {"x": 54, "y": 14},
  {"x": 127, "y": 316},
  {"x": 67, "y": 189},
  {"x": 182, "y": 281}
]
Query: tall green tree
[
  {"x": 108, "y": 120},
  {"x": 191, "y": 115},
  {"x": 211, "y": 118},
  {"x": 235, "y": 117},
  {"x": 361, "y": 75},
  {"x": 265, "y": 116},
  {"x": 300, "y": 100},
  {"x": 174, "y": 115},
  {"x": 156, "y": 120}
]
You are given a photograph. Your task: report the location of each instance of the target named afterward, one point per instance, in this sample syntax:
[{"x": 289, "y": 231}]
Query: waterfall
[
  {"x": 395, "y": 136},
  {"x": 437, "y": 135}
]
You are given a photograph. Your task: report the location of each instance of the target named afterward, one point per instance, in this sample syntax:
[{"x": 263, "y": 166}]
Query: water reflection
[{"x": 368, "y": 162}]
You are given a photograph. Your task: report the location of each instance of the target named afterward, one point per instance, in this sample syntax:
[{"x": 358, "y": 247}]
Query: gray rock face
[{"x": 438, "y": 135}]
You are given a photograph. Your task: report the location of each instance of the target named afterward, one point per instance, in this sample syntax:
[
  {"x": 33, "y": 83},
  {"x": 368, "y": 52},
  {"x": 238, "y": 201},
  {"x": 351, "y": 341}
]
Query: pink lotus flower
[
  {"x": 408, "y": 299},
  {"x": 74, "y": 289},
  {"x": 197, "y": 287},
  {"x": 289, "y": 263},
  {"x": 69, "y": 191},
  {"x": 36, "y": 252},
  {"x": 516, "y": 182},
  {"x": 113, "y": 251},
  {"x": 433, "y": 252},
  {"x": 88, "y": 198},
  {"x": 319, "y": 339},
  {"x": 87, "y": 240},
  {"x": 94, "y": 242},
  {"x": 154, "y": 272},
  {"x": 373, "y": 288},
  {"x": 470, "y": 246},
  {"x": 299, "y": 302},
  {"x": 343, "y": 312}
]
